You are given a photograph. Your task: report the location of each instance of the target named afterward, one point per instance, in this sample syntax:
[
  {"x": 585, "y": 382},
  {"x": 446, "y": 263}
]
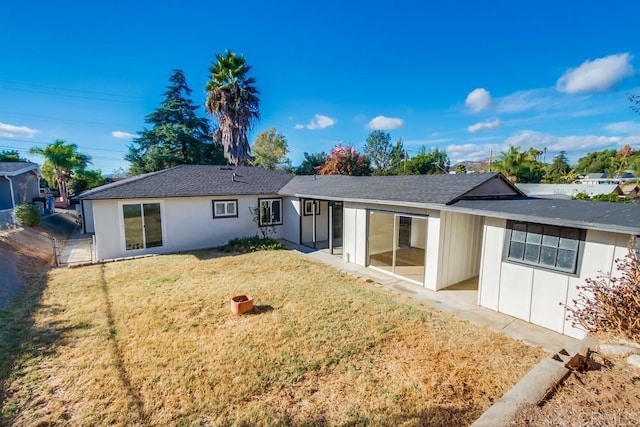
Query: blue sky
[{"x": 468, "y": 77}]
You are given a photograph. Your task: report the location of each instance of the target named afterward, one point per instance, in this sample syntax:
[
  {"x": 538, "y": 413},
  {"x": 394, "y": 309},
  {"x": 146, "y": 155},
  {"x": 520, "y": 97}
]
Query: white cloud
[
  {"x": 12, "y": 131},
  {"x": 599, "y": 75},
  {"x": 318, "y": 122},
  {"x": 478, "y": 100},
  {"x": 528, "y": 100},
  {"x": 122, "y": 135},
  {"x": 627, "y": 127},
  {"x": 571, "y": 143},
  {"x": 472, "y": 152},
  {"x": 385, "y": 123},
  {"x": 485, "y": 126}
]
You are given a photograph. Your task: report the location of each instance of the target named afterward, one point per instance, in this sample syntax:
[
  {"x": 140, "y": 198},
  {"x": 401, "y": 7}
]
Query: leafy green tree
[
  {"x": 11, "y": 156},
  {"x": 461, "y": 168},
  {"x": 85, "y": 180},
  {"x": 398, "y": 159},
  {"x": 176, "y": 135},
  {"x": 433, "y": 161},
  {"x": 557, "y": 171},
  {"x": 346, "y": 160},
  {"x": 379, "y": 149},
  {"x": 270, "y": 150},
  {"x": 232, "y": 99},
  {"x": 312, "y": 163},
  {"x": 61, "y": 159},
  {"x": 596, "y": 162}
]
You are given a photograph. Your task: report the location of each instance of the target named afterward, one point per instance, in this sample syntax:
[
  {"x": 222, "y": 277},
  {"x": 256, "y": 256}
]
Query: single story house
[
  {"x": 19, "y": 183},
  {"x": 525, "y": 256},
  {"x": 567, "y": 191}
]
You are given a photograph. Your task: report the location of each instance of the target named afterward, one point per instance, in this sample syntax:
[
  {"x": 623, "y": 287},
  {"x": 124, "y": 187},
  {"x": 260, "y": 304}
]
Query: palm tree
[
  {"x": 62, "y": 158},
  {"x": 233, "y": 100},
  {"x": 511, "y": 162}
]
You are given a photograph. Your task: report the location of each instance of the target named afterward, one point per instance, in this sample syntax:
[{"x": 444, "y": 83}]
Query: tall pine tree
[{"x": 176, "y": 135}]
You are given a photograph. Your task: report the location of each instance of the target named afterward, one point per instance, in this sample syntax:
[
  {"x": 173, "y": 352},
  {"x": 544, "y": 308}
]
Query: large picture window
[
  {"x": 142, "y": 225},
  {"x": 547, "y": 246},
  {"x": 225, "y": 208},
  {"x": 270, "y": 211}
]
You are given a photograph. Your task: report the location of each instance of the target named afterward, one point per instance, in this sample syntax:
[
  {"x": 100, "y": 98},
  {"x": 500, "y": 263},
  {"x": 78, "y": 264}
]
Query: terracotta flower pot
[{"x": 241, "y": 304}]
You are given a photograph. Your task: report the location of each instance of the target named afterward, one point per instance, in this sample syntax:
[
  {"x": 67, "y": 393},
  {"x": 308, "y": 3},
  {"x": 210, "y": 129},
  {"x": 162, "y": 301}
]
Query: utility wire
[
  {"x": 72, "y": 90},
  {"x": 72, "y": 96}
]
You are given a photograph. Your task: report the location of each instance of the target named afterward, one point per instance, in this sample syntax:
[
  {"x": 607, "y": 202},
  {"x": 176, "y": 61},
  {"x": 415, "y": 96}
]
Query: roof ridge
[{"x": 125, "y": 181}]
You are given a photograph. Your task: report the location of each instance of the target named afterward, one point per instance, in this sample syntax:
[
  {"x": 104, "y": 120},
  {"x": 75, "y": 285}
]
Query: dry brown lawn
[{"x": 153, "y": 342}]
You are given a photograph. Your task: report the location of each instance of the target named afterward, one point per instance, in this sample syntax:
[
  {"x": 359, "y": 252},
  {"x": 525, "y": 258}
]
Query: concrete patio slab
[{"x": 461, "y": 303}]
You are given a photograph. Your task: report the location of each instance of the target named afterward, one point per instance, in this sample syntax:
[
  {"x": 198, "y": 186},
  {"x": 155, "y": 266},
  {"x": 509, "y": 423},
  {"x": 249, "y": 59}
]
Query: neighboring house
[
  {"x": 630, "y": 190},
  {"x": 525, "y": 256},
  {"x": 567, "y": 191},
  {"x": 603, "y": 178},
  {"x": 19, "y": 183}
]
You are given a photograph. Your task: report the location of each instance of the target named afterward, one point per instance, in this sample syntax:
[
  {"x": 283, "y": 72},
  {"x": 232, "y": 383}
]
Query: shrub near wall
[{"x": 28, "y": 214}]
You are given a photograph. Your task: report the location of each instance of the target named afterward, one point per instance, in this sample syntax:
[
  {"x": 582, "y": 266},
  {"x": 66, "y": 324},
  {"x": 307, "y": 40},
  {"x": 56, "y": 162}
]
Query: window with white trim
[
  {"x": 225, "y": 208},
  {"x": 270, "y": 211},
  {"x": 546, "y": 246},
  {"x": 310, "y": 206}
]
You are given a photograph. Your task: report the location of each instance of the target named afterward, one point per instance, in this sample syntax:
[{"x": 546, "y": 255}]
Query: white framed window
[
  {"x": 225, "y": 208},
  {"x": 142, "y": 225},
  {"x": 309, "y": 207},
  {"x": 270, "y": 211},
  {"x": 546, "y": 246}
]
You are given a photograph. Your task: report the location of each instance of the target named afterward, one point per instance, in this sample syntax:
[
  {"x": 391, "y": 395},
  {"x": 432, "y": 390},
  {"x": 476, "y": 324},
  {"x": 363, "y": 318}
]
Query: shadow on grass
[
  {"x": 20, "y": 339},
  {"x": 260, "y": 309},
  {"x": 132, "y": 392}
]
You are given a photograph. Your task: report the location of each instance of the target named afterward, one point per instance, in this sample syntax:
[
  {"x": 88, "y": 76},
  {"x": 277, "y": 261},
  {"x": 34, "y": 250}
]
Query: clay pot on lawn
[{"x": 241, "y": 304}]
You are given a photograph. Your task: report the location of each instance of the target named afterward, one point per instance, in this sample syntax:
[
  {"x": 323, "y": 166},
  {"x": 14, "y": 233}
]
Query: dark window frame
[
  {"x": 269, "y": 199},
  {"x": 225, "y": 201},
  {"x": 309, "y": 212},
  {"x": 543, "y": 236}
]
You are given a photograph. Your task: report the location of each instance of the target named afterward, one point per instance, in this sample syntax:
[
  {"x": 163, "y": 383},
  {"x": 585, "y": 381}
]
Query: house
[
  {"x": 567, "y": 191},
  {"x": 19, "y": 183},
  {"x": 524, "y": 256},
  {"x": 603, "y": 178}
]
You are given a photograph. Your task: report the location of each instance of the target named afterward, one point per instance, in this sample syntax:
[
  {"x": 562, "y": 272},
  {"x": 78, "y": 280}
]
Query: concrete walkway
[
  {"x": 76, "y": 250},
  {"x": 460, "y": 303}
]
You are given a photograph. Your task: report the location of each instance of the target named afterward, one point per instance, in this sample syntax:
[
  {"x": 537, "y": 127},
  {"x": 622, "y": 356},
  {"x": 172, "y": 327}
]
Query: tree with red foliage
[{"x": 345, "y": 160}]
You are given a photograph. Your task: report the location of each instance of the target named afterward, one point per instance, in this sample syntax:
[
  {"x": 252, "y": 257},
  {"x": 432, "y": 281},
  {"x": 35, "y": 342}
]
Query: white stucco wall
[
  {"x": 291, "y": 219},
  {"x": 534, "y": 294},
  {"x": 187, "y": 224}
]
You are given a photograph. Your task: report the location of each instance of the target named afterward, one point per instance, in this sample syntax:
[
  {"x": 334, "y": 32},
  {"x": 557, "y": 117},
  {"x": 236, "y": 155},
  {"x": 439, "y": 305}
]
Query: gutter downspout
[{"x": 13, "y": 200}]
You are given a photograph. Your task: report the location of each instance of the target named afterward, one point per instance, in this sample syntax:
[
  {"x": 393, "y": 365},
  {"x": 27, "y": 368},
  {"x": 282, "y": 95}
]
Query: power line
[
  {"x": 71, "y": 96},
  {"x": 7, "y": 147},
  {"x": 47, "y": 143},
  {"x": 9, "y": 113},
  {"x": 73, "y": 90}
]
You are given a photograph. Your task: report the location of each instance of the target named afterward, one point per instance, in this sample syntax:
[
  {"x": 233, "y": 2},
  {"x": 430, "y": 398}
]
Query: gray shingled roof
[
  {"x": 193, "y": 181},
  {"x": 10, "y": 168},
  {"x": 617, "y": 217},
  {"x": 424, "y": 189}
]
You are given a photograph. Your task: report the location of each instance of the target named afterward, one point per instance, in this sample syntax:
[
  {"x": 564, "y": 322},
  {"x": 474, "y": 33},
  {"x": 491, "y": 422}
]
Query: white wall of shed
[{"x": 538, "y": 295}]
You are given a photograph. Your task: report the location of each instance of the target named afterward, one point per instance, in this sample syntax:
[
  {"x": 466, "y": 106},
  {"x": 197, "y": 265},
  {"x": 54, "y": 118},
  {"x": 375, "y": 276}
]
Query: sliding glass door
[{"x": 397, "y": 243}]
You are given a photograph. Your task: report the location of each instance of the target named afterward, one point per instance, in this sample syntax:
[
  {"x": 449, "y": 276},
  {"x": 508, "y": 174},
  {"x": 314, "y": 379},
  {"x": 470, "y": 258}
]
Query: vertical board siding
[{"x": 460, "y": 248}]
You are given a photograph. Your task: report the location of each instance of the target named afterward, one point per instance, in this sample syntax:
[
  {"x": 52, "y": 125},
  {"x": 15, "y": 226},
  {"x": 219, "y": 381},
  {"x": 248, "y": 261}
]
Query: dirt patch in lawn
[
  {"x": 153, "y": 341},
  {"x": 608, "y": 394}
]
